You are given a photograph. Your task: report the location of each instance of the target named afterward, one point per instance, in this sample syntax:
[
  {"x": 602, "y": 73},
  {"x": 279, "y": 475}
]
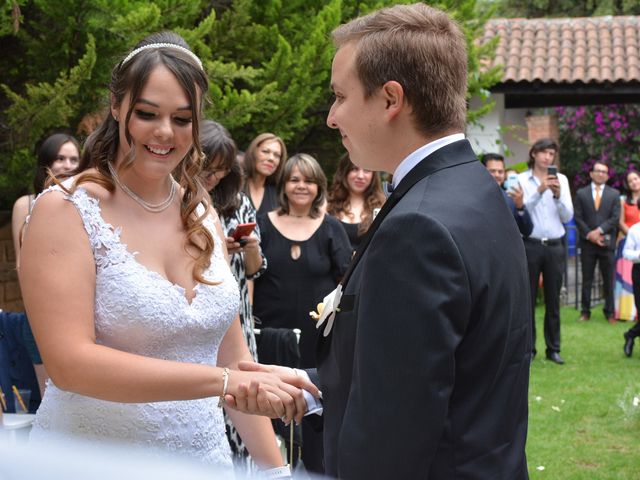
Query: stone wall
[{"x": 10, "y": 296}]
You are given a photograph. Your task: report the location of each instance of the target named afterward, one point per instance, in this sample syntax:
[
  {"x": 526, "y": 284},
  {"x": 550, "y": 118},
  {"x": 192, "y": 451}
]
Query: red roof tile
[{"x": 565, "y": 50}]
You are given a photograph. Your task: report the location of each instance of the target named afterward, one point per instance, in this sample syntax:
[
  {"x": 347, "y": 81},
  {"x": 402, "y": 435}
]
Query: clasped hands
[
  {"x": 269, "y": 390},
  {"x": 596, "y": 236}
]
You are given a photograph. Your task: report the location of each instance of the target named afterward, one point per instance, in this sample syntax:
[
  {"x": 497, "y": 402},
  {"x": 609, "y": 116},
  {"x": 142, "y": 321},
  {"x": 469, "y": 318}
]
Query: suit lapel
[
  {"x": 456, "y": 153},
  {"x": 450, "y": 155}
]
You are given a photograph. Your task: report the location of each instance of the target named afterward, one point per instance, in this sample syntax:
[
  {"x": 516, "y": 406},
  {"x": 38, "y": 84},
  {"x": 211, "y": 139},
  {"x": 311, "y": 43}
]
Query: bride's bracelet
[
  {"x": 225, "y": 384},
  {"x": 273, "y": 473}
]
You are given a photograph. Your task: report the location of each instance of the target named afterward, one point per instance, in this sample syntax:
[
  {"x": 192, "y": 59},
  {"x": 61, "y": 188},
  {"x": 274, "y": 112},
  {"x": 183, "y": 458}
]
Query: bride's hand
[{"x": 282, "y": 399}]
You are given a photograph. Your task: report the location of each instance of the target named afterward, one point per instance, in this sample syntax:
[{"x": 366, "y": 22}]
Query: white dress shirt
[
  {"x": 631, "y": 249},
  {"x": 547, "y": 213},
  {"x": 414, "y": 158}
]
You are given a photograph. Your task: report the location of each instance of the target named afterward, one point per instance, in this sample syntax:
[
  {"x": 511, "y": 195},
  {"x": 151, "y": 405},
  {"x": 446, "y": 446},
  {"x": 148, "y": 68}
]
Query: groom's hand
[{"x": 255, "y": 399}]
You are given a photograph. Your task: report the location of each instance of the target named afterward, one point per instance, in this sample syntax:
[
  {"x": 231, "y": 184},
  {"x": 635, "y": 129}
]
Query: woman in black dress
[
  {"x": 308, "y": 252},
  {"x": 263, "y": 162},
  {"x": 355, "y": 194}
]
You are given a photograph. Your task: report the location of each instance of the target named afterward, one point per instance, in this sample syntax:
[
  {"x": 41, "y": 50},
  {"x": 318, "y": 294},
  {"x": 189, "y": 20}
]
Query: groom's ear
[{"x": 393, "y": 94}]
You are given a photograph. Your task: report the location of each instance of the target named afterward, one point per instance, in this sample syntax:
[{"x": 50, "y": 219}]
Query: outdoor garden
[{"x": 269, "y": 64}]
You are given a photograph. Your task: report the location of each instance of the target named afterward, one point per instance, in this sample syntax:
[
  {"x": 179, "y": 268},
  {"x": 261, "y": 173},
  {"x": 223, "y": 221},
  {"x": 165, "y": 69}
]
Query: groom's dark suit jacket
[{"x": 425, "y": 373}]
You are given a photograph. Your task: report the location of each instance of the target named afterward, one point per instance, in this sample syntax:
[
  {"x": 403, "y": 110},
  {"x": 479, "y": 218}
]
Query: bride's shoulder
[
  {"x": 87, "y": 183},
  {"x": 94, "y": 184}
]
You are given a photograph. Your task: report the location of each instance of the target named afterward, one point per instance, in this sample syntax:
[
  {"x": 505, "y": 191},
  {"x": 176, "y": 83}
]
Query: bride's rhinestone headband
[{"x": 163, "y": 45}]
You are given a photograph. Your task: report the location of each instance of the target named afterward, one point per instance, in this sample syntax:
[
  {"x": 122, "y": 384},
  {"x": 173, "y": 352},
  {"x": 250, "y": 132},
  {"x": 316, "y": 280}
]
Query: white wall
[
  {"x": 502, "y": 131},
  {"x": 514, "y": 135},
  {"x": 485, "y": 135}
]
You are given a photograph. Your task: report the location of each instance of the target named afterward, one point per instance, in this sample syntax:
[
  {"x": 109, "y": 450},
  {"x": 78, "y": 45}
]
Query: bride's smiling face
[{"x": 160, "y": 125}]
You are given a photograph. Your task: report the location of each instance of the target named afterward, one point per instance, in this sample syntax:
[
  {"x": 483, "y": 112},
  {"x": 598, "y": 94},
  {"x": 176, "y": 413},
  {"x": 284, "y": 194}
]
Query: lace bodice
[{"x": 141, "y": 312}]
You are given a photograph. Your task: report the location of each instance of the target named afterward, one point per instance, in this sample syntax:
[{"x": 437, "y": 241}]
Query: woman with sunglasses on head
[
  {"x": 263, "y": 162},
  {"x": 126, "y": 282}
]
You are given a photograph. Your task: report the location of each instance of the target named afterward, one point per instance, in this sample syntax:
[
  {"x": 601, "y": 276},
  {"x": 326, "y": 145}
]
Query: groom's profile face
[{"x": 357, "y": 118}]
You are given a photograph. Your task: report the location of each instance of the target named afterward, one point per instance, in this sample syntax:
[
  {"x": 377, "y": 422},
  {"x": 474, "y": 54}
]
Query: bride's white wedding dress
[{"x": 141, "y": 312}]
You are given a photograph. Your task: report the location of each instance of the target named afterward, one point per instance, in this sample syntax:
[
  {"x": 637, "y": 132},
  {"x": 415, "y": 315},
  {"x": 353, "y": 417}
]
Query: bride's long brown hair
[{"x": 102, "y": 145}]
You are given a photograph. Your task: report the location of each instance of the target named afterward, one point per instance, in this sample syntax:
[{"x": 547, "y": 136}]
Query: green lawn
[{"x": 582, "y": 421}]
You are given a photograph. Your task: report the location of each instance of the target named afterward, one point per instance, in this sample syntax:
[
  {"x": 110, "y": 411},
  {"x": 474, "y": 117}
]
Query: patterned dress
[{"x": 244, "y": 214}]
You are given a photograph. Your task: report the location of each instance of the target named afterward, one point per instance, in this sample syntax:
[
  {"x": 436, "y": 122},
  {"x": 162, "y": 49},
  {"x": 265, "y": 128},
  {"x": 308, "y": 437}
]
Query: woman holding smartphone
[{"x": 222, "y": 177}]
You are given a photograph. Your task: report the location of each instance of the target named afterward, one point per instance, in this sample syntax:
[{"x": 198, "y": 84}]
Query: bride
[{"x": 127, "y": 287}]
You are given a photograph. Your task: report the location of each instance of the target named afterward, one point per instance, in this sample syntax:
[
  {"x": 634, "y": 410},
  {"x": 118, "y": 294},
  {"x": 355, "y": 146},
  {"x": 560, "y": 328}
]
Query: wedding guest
[
  {"x": 632, "y": 253},
  {"x": 308, "y": 252},
  {"x": 222, "y": 177},
  {"x": 58, "y": 154},
  {"x": 126, "y": 282},
  {"x": 263, "y": 163},
  {"x": 354, "y": 196},
  {"x": 513, "y": 194},
  {"x": 548, "y": 200},
  {"x": 629, "y": 215},
  {"x": 597, "y": 214}
]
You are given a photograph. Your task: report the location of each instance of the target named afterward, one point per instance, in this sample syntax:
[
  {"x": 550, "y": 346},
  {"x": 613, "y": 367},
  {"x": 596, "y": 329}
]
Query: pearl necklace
[{"x": 150, "y": 207}]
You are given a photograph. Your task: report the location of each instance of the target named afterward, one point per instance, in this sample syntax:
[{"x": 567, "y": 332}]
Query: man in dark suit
[
  {"x": 597, "y": 213},
  {"x": 425, "y": 370},
  {"x": 494, "y": 164}
]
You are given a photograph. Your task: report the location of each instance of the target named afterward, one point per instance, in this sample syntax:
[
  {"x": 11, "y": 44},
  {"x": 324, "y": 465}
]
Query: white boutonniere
[{"x": 327, "y": 310}]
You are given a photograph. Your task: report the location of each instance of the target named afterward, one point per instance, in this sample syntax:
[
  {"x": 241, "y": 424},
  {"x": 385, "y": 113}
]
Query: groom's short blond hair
[{"x": 421, "y": 48}]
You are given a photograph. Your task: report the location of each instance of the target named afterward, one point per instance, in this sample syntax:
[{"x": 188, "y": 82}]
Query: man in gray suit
[{"x": 597, "y": 213}]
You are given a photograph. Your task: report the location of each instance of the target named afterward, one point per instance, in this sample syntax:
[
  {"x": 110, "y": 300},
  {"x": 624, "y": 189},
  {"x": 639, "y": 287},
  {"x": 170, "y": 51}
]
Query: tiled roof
[{"x": 567, "y": 50}]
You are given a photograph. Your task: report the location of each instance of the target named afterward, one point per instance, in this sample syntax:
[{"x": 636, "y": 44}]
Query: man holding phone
[
  {"x": 512, "y": 191},
  {"x": 548, "y": 199}
]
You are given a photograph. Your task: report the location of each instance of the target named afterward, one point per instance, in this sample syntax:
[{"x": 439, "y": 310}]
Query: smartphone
[
  {"x": 552, "y": 170},
  {"x": 243, "y": 230},
  {"x": 511, "y": 182}
]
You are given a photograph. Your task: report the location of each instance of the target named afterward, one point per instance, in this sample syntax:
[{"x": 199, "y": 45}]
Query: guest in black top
[
  {"x": 308, "y": 253},
  {"x": 354, "y": 195},
  {"x": 263, "y": 163}
]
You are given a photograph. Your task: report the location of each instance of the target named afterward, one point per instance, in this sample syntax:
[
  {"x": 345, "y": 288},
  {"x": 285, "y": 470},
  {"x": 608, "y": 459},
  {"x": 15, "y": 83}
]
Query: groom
[{"x": 426, "y": 369}]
